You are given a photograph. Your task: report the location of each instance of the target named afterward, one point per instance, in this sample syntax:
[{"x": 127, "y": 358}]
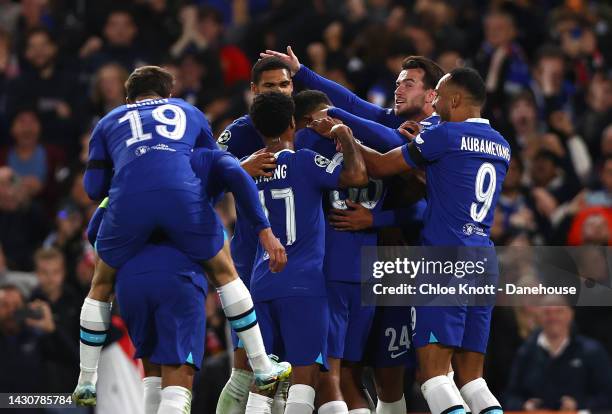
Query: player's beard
[{"x": 413, "y": 111}]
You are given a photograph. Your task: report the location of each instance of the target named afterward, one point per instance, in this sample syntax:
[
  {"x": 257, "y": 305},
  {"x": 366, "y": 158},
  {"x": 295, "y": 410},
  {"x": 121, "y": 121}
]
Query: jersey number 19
[{"x": 178, "y": 121}]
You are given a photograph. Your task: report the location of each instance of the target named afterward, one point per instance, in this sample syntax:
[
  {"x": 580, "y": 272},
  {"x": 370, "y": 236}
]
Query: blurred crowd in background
[{"x": 547, "y": 69}]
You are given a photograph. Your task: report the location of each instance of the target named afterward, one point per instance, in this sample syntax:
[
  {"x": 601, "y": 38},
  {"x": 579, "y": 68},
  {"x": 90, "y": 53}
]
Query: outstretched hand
[
  {"x": 259, "y": 164},
  {"x": 323, "y": 126},
  {"x": 409, "y": 129},
  {"x": 289, "y": 58}
]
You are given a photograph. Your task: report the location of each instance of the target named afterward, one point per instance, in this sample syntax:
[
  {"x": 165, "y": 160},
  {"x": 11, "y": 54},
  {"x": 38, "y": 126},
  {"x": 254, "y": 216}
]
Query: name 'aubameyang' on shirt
[{"x": 485, "y": 146}]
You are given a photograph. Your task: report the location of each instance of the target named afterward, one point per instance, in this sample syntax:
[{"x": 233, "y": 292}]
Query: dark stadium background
[{"x": 546, "y": 65}]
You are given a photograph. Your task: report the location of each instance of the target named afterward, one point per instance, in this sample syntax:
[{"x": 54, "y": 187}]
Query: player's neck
[
  {"x": 463, "y": 114},
  {"x": 275, "y": 145},
  {"x": 145, "y": 98}
]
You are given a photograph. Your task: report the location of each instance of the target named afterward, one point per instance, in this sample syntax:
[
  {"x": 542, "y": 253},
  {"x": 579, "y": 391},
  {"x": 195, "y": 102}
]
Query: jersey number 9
[{"x": 484, "y": 196}]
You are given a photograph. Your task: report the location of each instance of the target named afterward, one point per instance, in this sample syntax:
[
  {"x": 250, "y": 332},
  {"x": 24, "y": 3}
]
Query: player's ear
[
  {"x": 254, "y": 88},
  {"x": 292, "y": 123},
  {"x": 455, "y": 100},
  {"x": 430, "y": 95}
]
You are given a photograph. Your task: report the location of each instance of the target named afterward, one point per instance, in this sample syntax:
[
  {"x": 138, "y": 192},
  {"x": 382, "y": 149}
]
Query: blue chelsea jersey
[
  {"x": 149, "y": 144},
  {"x": 465, "y": 164},
  {"x": 292, "y": 198},
  {"x": 241, "y": 139}
]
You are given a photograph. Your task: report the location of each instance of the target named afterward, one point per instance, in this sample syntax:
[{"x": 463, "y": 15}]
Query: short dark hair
[
  {"x": 266, "y": 64},
  {"x": 471, "y": 81},
  {"x": 549, "y": 51},
  {"x": 271, "y": 113},
  {"x": 209, "y": 12},
  {"x": 524, "y": 95},
  {"x": 547, "y": 155},
  {"x": 147, "y": 80},
  {"x": 306, "y": 102},
  {"x": 433, "y": 72}
]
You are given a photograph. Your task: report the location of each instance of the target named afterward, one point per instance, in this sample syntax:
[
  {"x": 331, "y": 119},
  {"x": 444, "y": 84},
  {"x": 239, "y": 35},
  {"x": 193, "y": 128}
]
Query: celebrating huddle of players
[{"x": 309, "y": 174}]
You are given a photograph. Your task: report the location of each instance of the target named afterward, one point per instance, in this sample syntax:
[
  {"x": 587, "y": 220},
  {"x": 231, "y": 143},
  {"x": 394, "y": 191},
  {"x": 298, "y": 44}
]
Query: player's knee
[
  {"x": 389, "y": 388},
  {"x": 466, "y": 376},
  {"x": 308, "y": 375}
]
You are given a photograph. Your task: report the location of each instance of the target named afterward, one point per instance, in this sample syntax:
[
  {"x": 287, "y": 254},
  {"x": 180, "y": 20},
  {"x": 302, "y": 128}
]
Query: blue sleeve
[
  {"x": 96, "y": 221},
  {"x": 99, "y": 172},
  {"x": 427, "y": 147},
  {"x": 372, "y": 134},
  {"x": 318, "y": 169},
  {"x": 236, "y": 180},
  {"x": 400, "y": 216},
  {"x": 303, "y": 139},
  {"x": 205, "y": 138},
  {"x": 347, "y": 100}
]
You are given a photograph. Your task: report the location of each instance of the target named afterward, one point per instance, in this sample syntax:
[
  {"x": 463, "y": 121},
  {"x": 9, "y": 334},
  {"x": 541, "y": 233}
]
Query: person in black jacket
[{"x": 558, "y": 369}]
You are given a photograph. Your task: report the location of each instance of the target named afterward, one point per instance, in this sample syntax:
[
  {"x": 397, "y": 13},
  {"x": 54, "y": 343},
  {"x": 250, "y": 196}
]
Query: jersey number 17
[{"x": 287, "y": 195}]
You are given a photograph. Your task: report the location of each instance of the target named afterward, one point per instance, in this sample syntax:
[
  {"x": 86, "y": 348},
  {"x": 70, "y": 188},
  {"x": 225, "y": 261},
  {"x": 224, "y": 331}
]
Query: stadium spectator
[
  {"x": 21, "y": 360},
  {"x": 119, "y": 45},
  {"x": 47, "y": 85},
  {"x": 108, "y": 90},
  {"x": 598, "y": 112},
  {"x": 34, "y": 162},
  {"x": 502, "y": 60},
  {"x": 25, "y": 281},
  {"x": 23, "y": 224},
  {"x": 557, "y": 369},
  {"x": 549, "y": 86},
  {"x": 59, "y": 304}
]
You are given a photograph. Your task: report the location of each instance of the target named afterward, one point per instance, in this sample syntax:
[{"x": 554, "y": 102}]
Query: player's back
[
  {"x": 467, "y": 165},
  {"x": 240, "y": 138},
  {"x": 150, "y": 143},
  {"x": 292, "y": 198},
  {"x": 343, "y": 248}
]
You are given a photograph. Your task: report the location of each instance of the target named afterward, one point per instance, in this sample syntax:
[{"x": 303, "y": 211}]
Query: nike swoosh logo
[{"x": 393, "y": 356}]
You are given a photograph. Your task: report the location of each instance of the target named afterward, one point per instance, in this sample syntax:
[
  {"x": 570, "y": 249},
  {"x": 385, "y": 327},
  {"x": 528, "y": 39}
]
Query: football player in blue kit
[
  {"x": 292, "y": 306},
  {"x": 161, "y": 292},
  {"x": 341, "y": 389},
  {"x": 242, "y": 140},
  {"x": 465, "y": 161},
  {"x": 139, "y": 155}
]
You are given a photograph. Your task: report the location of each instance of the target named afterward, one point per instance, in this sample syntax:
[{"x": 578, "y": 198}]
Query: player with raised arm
[
  {"x": 243, "y": 141},
  {"x": 140, "y": 155},
  {"x": 389, "y": 350},
  {"x": 292, "y": 306},
  {"x": 465, "y": 161},
  {"x": 341, "y": 389},
  {"x": 410, "y": 101}
]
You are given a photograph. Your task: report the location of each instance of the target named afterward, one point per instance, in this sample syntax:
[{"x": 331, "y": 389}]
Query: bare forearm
[
  {"x": 354, "y": 172},
  {"x": 383, "y": 165}
]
